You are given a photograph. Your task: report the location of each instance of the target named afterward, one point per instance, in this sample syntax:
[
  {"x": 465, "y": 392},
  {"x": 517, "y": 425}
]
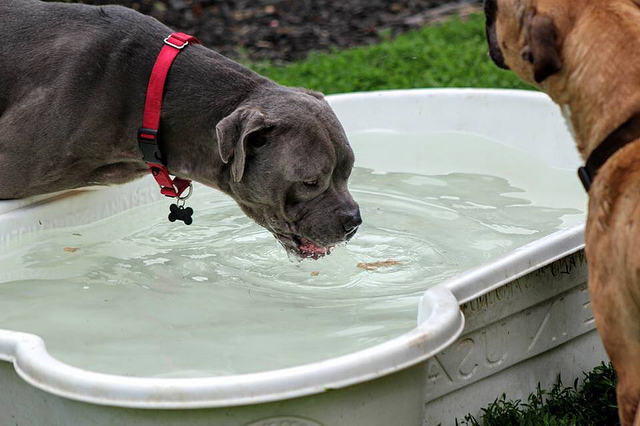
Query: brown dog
[{"x": 585, "y": 54}]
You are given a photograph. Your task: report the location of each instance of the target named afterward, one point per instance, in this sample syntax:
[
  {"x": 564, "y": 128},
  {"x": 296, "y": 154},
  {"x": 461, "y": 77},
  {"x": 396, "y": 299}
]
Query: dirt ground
[{"x": 286, "y": 30}]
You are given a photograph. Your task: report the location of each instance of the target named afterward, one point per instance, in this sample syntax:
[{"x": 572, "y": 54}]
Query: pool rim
[{"x": 440, "y": 324}]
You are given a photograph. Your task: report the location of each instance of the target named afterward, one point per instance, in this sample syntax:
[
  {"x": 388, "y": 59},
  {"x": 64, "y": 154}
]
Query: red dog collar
[{"x": 148, "y": 133}]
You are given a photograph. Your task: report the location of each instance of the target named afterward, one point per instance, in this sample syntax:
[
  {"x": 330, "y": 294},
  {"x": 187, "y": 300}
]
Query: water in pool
[{"x": 138, "y": 295}]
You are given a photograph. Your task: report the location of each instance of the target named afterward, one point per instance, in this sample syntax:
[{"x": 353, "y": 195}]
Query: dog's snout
[{"x": 351, "y": 220}]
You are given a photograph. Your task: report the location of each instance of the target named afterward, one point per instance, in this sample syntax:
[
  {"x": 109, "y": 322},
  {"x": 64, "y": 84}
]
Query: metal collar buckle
[{"x": 179, "y": 47}]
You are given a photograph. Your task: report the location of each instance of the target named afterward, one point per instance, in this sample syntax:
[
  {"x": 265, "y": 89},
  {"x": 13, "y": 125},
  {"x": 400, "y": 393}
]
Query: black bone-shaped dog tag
[{"x": 181, "y": 213}]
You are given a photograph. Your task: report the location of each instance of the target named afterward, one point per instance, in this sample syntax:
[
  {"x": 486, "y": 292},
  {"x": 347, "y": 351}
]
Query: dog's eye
[
  {"x": 257, "y": 140},
  {"x": 310, "y": 183}
]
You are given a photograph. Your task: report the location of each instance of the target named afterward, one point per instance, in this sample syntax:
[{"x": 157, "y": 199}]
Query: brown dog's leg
[
  {"x": 611, "y": 307},
  {"x": 624, "y": 356},
  {"x": 628, "y": 399},
  {"x": 613, "y": 290}
]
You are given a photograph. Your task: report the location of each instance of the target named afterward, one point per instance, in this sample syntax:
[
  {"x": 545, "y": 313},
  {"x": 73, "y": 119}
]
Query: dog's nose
[{"x": 351, "y": 221}]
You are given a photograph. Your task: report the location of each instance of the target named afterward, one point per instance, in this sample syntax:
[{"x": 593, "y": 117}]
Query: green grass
[
  {"x": 593, "y": 404},
  {"x": 450, "y": 54}
]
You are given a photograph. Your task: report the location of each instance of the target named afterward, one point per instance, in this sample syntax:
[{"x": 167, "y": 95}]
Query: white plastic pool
[{"x": 511, "y": 136}]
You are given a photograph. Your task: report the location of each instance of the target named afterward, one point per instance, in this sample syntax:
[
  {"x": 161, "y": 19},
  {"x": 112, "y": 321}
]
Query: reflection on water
[{"x": 221, "y": 297}]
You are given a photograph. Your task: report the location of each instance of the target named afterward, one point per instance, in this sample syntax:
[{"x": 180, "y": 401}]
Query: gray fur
[{"x": 72, "y": 89}]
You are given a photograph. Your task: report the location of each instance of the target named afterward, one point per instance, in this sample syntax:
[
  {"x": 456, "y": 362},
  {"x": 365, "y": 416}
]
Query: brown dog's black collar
[{"x": 626, "y": 133}]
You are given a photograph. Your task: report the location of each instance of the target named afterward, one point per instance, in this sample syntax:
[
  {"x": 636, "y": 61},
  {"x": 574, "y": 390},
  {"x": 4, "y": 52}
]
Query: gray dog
[{"x": 72, "y": 92}]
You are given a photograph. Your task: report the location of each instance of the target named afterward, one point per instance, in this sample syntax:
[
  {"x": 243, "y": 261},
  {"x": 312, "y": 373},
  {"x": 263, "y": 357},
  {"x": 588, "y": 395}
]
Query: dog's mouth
[
  {"x": 309, "y": 249},
  {"x": 303, "y": 247}
]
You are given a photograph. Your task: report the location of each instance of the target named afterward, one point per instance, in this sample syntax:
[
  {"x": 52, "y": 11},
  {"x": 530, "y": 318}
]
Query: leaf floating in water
[
  {"x": 374, "y": 265},
  {"x": 71, "y": 249}
]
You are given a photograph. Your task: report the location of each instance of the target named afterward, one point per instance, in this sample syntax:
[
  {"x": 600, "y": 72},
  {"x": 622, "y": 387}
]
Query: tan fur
[{"x": 599, "y": 83}]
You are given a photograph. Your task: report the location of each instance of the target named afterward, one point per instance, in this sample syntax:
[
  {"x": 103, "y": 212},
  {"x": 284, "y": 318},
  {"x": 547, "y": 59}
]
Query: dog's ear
[
  {"x": 233, "y": 132},
  {"x": 542, "y": 49}
]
